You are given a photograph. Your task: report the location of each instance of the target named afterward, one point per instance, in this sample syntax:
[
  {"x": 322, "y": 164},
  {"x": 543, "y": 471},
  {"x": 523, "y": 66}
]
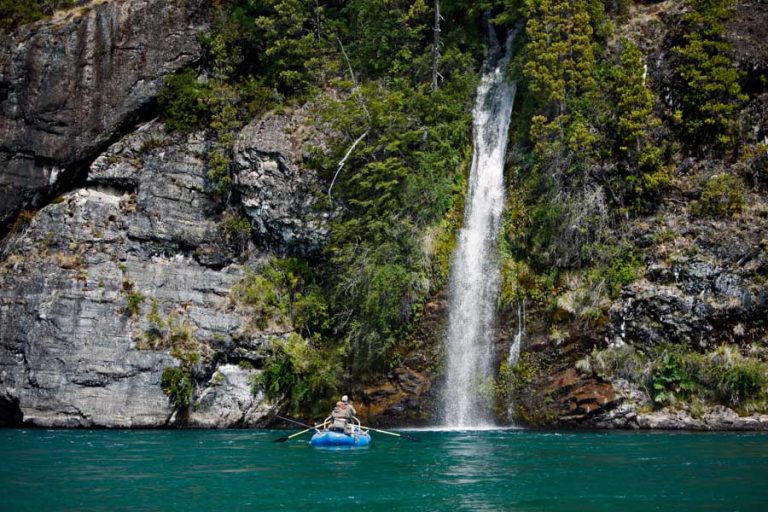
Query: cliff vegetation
[{"x": 306, "y": 161}]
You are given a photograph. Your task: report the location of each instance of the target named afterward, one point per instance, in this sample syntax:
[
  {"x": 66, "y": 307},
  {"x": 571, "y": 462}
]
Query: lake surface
[{"x": 509, "y": 470}]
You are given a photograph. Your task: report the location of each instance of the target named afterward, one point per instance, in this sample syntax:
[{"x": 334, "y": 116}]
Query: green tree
[
  {"x": 292, "y": 34},
  {"x": 560, "y": 56},
  {"x": 641, "y": 174},
  {"x": 708, "y": 84}
]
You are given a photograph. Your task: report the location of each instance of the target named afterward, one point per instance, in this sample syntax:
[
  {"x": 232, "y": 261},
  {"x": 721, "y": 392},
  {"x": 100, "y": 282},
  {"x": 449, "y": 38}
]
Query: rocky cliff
[
  {"x": 129, "y": 269},
  {"x": 123, "y": 270},
  {"x": 698, "y": 300},
  {"x": 105, "y": 285},
  {"x": 70, "y": 85}
]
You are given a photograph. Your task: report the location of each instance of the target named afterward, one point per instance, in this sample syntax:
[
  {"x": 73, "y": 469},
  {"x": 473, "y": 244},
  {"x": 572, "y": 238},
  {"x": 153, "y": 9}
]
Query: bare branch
[
  {"x": 344, "y": 160},
  {"x": 356, "y": 90}
]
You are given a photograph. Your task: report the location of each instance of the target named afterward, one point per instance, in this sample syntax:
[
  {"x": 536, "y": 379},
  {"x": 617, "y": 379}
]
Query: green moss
[{"x": 532, "y": 405}]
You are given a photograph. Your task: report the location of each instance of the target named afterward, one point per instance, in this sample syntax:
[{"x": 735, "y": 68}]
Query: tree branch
[{"x": 343, "y": 161}]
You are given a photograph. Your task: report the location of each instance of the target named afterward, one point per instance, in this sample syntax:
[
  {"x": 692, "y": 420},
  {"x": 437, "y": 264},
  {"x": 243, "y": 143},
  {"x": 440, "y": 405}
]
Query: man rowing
[{"x": 342, "y": 415}]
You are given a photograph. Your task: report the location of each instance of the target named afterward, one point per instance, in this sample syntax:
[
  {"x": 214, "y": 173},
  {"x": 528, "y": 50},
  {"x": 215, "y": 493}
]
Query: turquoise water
[{"x": 196, "y": 470}]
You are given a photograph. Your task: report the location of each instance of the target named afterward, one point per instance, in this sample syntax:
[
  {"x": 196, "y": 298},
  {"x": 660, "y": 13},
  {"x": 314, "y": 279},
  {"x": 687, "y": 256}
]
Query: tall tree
[
  {"x": 560, "y": 55},
  {"x": 708, "y": 87}
]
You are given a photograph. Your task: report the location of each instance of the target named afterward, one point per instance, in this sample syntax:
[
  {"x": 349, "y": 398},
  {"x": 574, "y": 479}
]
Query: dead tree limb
[
  {"x": 343, "y": 161},
  {"x": 356, "y": 89}
]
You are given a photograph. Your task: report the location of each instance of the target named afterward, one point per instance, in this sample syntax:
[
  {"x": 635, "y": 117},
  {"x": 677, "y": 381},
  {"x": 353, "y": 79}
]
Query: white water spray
[
  {"x": 475, "y": 274},
  {"x": 514, "y": 349}
]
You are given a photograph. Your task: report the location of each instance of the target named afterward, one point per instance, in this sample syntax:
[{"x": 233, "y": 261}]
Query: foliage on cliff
[
  {"x": 595, "y": 145},
  {"x": 599, "y": 146},
  {"x": 20, "y": 12},
  {"x": 395, "y": 162}
]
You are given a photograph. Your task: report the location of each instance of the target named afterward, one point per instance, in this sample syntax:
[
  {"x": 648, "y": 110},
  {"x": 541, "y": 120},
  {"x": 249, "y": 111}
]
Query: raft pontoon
[{"x": 353, "y": 436}]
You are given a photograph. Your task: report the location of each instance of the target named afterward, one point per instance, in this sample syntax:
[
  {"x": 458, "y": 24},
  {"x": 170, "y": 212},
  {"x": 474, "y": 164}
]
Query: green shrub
[
  {"x": 735, "y": 379},
  {"x": 177, "y": 383},
  {"x": 622, "y": 270},
  {"x": 245, "y": 365},
  {"x": 152, "y": 144},
  {"x": 182, "y": 102},
  {"x": 742, "y": 381},
  {"x": 624, "y": 362},
  {"x": 133, "y": 302},
  {"x": 154, "y": 336},
  {"x": 183, "y": 341},
  {"x": 723, "y": 196},
  {"x": 302, "y": 373},
  {"x": 671, "y": 380},
  {"x": 14, "y": 13},
  {"x": 265, "y": 300},
  {"x": 237, "y": 229}
]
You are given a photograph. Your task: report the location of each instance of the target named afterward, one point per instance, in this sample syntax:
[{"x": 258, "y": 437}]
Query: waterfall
[
  {"x": 475, "y": 275},
  {"x": 514, "y": 350}
]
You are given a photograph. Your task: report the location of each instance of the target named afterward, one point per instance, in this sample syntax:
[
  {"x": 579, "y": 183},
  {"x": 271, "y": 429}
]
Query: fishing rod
[
  {"x": 289, "y": 420},
  {"x": 284, "y": 439}
]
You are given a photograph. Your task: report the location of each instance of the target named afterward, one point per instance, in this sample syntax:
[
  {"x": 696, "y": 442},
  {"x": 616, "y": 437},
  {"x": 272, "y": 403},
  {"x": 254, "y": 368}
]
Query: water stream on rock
[{"x": 475, "y": 275}]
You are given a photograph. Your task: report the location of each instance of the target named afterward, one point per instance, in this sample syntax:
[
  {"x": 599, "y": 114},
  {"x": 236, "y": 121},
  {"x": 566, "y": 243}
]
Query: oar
[{"x": 396, "y": 434}]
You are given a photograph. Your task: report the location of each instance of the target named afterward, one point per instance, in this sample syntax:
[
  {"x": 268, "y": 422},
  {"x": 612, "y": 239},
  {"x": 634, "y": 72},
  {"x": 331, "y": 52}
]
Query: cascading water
[{"x": 475, "y": 275}]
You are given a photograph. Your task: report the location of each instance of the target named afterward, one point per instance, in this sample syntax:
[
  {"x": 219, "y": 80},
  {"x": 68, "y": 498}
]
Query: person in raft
[{"x": 342, "y": 415}]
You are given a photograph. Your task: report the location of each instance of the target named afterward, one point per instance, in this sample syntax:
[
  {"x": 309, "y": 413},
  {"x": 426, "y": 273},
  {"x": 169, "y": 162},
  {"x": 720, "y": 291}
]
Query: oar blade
[
  {"x": 396, "y": 434},
  {"x": 280, "y": 440}
]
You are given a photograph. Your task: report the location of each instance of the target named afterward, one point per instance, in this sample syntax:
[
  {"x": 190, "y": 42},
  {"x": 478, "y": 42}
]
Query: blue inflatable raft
[{"x": 328, "y": 438}]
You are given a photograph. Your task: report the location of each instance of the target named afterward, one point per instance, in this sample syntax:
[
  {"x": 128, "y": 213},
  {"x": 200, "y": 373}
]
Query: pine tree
[
  {"x": 639, "y": 156},
  {"x": 560, "y": 55},
  {"x": 708, "y": 89}
]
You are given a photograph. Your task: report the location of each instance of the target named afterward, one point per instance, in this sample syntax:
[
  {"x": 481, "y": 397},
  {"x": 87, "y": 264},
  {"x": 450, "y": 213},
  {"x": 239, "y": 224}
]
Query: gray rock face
[
  {"x": 717, "y": 418},
  {"x": 227, "y": 400},
  {"x": 95, "y": 288},
  {"x": 170, "y": 208},
  {"x": 70, "y": 84},
  {"x": 279, "y": 197},
  {"x": 694, "y": 303}
]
